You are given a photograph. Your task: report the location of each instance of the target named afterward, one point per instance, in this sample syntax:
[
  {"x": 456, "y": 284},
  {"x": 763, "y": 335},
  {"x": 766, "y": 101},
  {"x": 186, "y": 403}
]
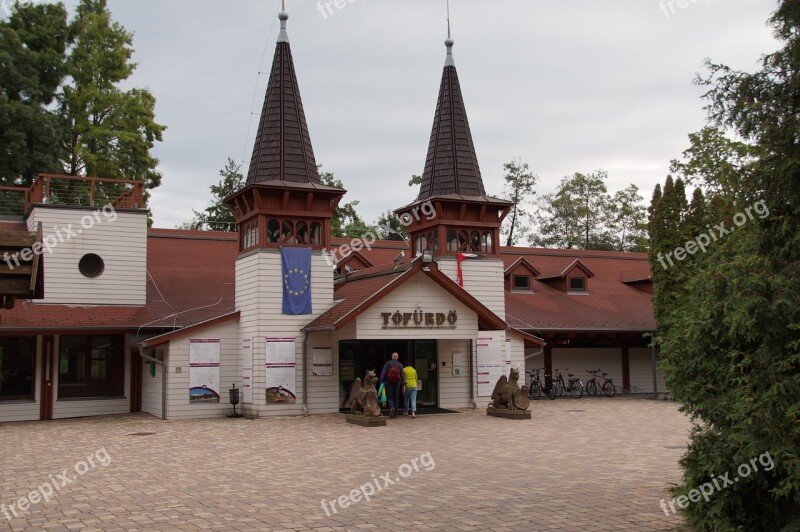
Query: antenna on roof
[{"x": 449, "y": 42}]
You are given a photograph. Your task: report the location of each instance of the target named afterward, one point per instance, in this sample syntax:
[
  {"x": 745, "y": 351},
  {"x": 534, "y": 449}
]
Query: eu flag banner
[{"x": 296, "y": 273}]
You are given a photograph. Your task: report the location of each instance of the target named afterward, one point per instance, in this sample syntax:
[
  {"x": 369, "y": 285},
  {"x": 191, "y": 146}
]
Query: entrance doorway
[
  {"x": 46, "y": 396},
  {"x": 356, "y": 357}
]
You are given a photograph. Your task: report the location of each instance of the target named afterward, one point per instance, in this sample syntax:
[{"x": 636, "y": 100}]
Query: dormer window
[
  {"x": 522, "y": 283},
  {"x": 577, "y": 284}
]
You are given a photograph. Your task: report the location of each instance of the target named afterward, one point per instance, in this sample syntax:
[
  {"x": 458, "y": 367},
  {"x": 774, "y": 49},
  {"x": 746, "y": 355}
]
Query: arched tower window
[
  {"x": 273, "y": 231},
  {"x": 486, "y": 243}
]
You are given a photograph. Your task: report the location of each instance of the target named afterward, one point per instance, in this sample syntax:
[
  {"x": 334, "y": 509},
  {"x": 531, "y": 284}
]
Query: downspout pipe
[
  {"x": 305, "y": 373},
  {"x": 163, "y": 379},
  {"x": 537, "y": 353},
  {"x": 471, "y": 378}
]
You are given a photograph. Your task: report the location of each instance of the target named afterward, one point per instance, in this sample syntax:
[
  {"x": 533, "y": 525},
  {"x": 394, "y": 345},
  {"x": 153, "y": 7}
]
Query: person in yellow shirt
[{"x": 410, "y": 390}]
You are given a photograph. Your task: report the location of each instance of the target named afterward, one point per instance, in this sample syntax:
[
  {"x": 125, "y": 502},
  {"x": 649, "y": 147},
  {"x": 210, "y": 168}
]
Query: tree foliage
[
  {"x": 581, "y": 214},
  {"x": 627, "y": 220},
  {"x": 519, "y": 187},
  {"x": 33, "y": 43},
  {"x": 217, "y": 217},
  {"x": 729, "y": 318},
  {"x": 108, "y": 132},
  {"x": 390, "y": 228},
  {"x": 346, "y": 222},
  {"x": 61, "y": 107}
]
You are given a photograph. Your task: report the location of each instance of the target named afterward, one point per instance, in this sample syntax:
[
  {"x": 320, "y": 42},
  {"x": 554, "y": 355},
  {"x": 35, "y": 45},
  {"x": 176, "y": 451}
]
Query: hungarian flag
[
  {"x": 461, "y": 257},
  {"x": 296, "y": 278}
]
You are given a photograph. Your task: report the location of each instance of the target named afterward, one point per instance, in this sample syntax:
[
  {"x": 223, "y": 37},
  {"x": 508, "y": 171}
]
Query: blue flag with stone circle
[{"x": 296, "y": 277}]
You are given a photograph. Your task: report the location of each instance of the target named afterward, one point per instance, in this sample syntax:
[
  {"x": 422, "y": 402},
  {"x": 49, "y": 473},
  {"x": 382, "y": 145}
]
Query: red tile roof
[
  {"x": 191, "y": 279},
  {"x": 609, "y": 304},
  {"x": 555, "y": 271}
]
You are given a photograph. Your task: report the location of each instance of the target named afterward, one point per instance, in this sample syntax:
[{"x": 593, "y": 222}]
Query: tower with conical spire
[
  {"x": 467, "y": 220},
  {"x": 284, "y": 202}
]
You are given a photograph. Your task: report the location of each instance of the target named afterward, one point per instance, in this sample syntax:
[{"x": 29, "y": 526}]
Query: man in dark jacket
[{"x": 394, "y": 379}]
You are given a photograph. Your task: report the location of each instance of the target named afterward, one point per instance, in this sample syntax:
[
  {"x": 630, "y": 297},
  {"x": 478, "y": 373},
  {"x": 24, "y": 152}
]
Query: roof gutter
[{"x": 318, "y": 329}]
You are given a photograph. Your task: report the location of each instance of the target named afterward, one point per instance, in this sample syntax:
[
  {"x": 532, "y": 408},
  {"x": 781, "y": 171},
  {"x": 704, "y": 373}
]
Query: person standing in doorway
[
  {"x": 392, "y": 376},
  {"x": 410, "y": 391}
]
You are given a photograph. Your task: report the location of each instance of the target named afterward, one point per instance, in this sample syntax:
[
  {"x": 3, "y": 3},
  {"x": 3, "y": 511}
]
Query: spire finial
[
  {"x": 283, "y": 16},
  {"x": 449, "y": 42}
]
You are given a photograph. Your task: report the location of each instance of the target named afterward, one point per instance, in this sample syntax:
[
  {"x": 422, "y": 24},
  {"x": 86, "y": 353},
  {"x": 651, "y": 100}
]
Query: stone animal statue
[
  {"x": 508, "y": 393},
  {"x": 364, "y": 397}
]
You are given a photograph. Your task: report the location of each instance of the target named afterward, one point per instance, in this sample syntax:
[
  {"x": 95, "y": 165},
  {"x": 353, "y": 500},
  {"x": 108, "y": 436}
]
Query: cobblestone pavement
[{"x": 590, "y": 464}]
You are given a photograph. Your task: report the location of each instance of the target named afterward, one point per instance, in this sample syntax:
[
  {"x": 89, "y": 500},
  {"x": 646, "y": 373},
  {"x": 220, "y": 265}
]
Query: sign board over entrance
[{"x": 419, "y": 320}]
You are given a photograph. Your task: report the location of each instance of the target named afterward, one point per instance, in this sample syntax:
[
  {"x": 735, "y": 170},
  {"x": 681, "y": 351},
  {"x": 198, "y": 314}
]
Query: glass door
[{"x": 426, "y": 363}]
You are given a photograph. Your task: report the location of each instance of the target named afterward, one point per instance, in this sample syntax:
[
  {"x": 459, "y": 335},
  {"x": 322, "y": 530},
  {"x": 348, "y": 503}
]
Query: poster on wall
[
  {"x": 322, "y": 360},
  {"x": 508, "y": 355},
  {"x": 490, "y": 366},
  {"x": 281, "y": 363},
  {"x": 456, "y": 364},
  {"x": 204, "y": 370},
  {"x": 247, "y": 370}
]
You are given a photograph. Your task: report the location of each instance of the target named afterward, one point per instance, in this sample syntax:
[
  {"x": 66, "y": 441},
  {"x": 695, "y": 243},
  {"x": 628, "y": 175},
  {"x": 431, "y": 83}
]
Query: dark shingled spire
[
  {"x": 283, "y": 151},
  {"x": 452, "y": 166}
]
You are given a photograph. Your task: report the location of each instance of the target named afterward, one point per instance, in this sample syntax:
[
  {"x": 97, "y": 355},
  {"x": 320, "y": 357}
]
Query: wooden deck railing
[{"x": 77, "y": 191}]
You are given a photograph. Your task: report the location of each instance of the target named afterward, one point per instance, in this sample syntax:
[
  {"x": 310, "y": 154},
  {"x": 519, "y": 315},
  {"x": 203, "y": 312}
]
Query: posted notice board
[
  {"x": 281, "y": 364},
  {"x": 204, "y": 365},
  {"x": 322, "y": 360}
]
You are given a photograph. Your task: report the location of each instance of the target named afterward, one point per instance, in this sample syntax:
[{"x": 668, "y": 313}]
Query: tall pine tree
[{"x": 730, "y": 329}]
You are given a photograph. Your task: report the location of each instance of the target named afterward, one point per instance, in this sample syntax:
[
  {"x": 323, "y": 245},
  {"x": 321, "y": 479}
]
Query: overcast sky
[{"x": 567, "y": 85}]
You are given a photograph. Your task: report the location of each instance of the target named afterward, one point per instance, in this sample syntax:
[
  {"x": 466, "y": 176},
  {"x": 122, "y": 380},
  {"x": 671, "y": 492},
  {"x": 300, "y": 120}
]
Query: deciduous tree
[
  {"x": 108, "y": 132},
  {"x": 33, "y": 44}
]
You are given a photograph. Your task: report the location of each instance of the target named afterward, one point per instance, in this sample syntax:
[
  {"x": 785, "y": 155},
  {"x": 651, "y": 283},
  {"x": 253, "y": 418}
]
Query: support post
[
  {"x": 653, "y": 359},
  {"x": 626, "y": 366}
]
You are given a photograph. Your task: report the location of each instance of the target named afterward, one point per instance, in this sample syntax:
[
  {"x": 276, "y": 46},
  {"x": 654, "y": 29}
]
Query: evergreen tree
[
  {"x": 730, "y": 337},
  {"x": 390, "y": 228},
  {"x": 518, "y": 189},
  {"x": 346, "y": 222},
  {"x": 217, "y": 217}
]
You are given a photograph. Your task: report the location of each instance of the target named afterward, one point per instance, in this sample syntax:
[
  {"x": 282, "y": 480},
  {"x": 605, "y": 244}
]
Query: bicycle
[
  {"x": 574, "y": 385},
  {"x": 607, "y": 385},
  {"x": 537, "y": 387}
]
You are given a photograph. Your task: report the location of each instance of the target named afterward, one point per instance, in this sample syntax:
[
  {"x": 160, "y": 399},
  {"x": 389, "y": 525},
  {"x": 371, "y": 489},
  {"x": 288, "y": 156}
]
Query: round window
[{"x": 91, "y": 265}]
